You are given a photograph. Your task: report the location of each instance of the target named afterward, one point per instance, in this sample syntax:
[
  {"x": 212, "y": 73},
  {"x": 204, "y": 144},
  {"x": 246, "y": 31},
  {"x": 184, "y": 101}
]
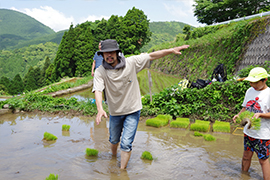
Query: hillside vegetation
[
  {"x": 16, "y": 27},
  {"x": 210, "y": 46}
]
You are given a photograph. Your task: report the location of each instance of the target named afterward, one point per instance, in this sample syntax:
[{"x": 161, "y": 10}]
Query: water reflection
[{"x": 177, "y": 153}]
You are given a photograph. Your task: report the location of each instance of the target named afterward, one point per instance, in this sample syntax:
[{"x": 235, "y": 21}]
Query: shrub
[
  {"x": 180, "y": 123},
  {"x": 91, "y": 152},
  {"x": 49, "y": 136},
  {"x": 65, "y": 127},
  {"x": 219, "y": 126},
  {"x": 52, "y": 177},
  {"x": 199, "y": 125},
  {"x": 147, "y": 155},
  {"x": 209, "y": 137}
]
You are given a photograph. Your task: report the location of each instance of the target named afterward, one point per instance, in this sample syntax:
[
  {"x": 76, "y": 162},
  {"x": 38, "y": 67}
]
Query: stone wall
[{"x": 258, "y": 51}]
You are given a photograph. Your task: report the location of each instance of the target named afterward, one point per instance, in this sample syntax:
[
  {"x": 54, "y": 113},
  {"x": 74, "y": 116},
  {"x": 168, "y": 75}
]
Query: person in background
[
  {"x": 96, "y": 63},
  {"x": 97, "y": 60},
  {"x": 257, "y": 100},
  {"x": 118, "y": 76}
]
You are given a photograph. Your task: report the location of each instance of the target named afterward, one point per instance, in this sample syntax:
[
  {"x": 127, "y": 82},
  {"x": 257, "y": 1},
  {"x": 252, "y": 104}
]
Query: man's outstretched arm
[{"x": 165, "y": 52}]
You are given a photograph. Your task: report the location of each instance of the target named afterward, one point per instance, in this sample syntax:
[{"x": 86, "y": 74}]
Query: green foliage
[
  {"x": 65, "y": 127},
  {"x": 52, "y": 177},
  {"x": 209, "y": 137},
  {"x": 197, "y": 134},
  {"x": 180, "y": 123},
  {"x": 19, "y": 61},
  {"x": 146, "y": 155},
  {"x": 91, "y": 152},
  {"x": 17, "y": 27},
  {"x": 201, "y": 126},
  {"x": 216, "y": 101},
  {"x": 219, "y": 126},
  {"x": 159, "y": 121},
  {"x": 49, "y": 136},
  {"x": 210, "y": 12},
  {"x": 255, "y": 122},
  {"x": 206, "y": 43}
]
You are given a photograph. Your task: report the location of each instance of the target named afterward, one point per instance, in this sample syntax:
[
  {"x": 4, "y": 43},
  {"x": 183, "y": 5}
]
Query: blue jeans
[{"x": 128, "y": 125}]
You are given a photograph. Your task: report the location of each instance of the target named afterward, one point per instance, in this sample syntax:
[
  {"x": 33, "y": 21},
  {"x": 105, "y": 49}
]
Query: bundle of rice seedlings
[
  {"x": 219, "y": 126},
  {"x": 201, "y": 126},
  {"x": 209, "y": 137},
  {"x": 49, "y": 137},
  {"x": 147, "y": 155},
  {"x": 160, "y": 120},
  {"x": 65, "y": 127},
  {"x": 91, "y": 152},
  {"x": 246, "y": 118},
  {"x": 196, "y": 133},
  {"x": 180, "y": 123},
  {"x": 52, "y": 177}
]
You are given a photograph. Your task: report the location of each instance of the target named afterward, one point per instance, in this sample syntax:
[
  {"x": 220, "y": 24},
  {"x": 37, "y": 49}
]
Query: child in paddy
[{"x": 257, "y": 100}]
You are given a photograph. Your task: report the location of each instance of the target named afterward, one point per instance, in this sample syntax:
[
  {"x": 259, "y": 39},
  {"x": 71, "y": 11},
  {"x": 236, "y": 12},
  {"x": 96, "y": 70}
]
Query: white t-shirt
[
  {"x": 121, "y": 85},
  {"x": 258, "y": 102}
]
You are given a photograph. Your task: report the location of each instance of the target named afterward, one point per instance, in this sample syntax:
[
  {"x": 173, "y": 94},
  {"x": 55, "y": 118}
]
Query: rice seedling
[
  {"x": 65, "y": 127},
  {"x": 209, "y": 137},
  {"x": 91, "y": 152},
  {"x": 147, "y": 155},
  {"x": 246, "y": 118},
  {"x": 219, "y": 126},
  {"x": 160, "y": 120},
  {"x": 52, "y": 177},
  {"x": 196, "y": 133},
  {"x": 180, "y": 123},
  {"x": 201, "y": 126},
  {"x": 49, "y": 137}
]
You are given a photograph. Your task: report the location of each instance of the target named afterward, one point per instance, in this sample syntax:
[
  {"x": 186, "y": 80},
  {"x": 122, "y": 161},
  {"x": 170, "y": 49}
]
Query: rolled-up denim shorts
[{"x": 125, "y": 125}]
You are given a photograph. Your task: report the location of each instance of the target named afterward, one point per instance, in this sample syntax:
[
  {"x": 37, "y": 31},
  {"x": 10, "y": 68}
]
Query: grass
[
  {"x": 147, "y": 155},
  {"x": 91, "y": 152},
  {"x": 219, "y": 126},
  {"x": 159, "y": 121},
  {"x": 180, "y": 123},
  {"x": 209, "y": 137},
  {"x": 52, "y": 177},
  {"x": 255, "y": 122},
  {"x": 65, "y": 127},
  {"x": 201, "y": 126},
  {"x": 198, "y": 134},
  {"x": 159, "y": 81},
  {"x": 49, "y": 136}
]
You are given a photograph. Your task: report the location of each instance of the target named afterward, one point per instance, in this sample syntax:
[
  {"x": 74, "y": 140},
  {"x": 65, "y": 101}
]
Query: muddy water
[
  {"x": 81, "y": 95},
  {"x": 178, "y": 154}
]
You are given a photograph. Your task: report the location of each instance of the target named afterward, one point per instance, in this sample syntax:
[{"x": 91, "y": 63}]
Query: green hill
[
  {"x": 16, "y": 27},
  {"x": 163, "y": 32}
]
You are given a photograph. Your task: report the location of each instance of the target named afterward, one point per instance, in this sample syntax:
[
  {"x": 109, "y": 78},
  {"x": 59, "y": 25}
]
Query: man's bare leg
[
  {"x": 114, "y": 149},
  {"x": 124, "y": 159}
]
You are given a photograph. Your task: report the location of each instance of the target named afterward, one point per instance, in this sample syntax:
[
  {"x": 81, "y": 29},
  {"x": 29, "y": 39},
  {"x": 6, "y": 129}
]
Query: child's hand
[
  {"x": 256, "y": 115},
  {"x": 234, "y": 118}
]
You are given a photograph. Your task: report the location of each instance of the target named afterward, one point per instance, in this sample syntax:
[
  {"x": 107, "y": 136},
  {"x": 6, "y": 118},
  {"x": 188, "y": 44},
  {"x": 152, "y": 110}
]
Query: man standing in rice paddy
[
  {"x": 257, "y": 100},
  {"x": 118, "y": 76}
]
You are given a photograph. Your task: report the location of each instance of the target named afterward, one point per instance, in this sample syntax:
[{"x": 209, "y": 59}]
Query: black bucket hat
[{"x": 109, "y": 45}]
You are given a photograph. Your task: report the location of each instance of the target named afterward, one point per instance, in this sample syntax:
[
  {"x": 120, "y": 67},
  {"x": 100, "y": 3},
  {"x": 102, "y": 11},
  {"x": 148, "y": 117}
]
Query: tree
[
  {"x": 29, "y": 80},
  {"x": 16, "y": 85},
  {"x": 136, "y": 31},
  {"x": 214, "y": 11}
]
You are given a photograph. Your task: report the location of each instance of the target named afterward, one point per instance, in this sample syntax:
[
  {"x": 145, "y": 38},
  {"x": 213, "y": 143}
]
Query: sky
[{"x": 60, "y": 14}]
